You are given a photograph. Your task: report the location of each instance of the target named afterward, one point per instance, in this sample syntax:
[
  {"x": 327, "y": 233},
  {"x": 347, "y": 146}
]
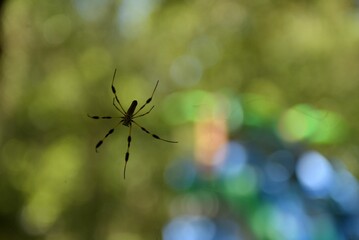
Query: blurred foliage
[{"x": 289, "y": 66}]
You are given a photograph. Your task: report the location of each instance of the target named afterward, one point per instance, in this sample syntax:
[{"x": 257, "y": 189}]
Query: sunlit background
[{"x": 262, "y": 97}]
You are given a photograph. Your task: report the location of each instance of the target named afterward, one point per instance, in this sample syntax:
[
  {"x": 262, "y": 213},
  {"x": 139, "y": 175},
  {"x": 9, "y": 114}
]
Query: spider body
[{"x": 127, "y": 119}]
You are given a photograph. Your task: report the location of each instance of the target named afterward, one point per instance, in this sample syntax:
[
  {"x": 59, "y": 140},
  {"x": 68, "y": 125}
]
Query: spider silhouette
[{"x": 127, "y": 119}]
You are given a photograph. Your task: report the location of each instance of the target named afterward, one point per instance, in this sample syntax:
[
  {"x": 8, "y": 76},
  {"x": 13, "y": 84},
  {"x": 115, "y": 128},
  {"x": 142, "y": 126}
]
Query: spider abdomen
[{"x": 129, "y": 114}]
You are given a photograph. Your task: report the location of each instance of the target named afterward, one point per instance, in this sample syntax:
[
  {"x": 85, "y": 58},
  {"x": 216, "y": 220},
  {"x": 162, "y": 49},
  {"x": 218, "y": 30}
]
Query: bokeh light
[
  {"x": 189, "y": 228},
  {"x": 314, "y": 173}
]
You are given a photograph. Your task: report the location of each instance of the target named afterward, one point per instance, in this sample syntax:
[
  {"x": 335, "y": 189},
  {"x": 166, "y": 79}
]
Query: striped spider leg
[{"x": 127, "y": 119}]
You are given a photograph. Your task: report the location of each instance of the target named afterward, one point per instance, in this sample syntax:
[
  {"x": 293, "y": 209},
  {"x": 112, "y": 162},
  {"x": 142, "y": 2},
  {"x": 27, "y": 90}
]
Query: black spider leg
[
  {"x": 101, "y": 117},
  {"x": 113, "y": 103},
  {"x": 144, "y": 113},
  {"x": 148, "y": 100},
  {"x": 153, "y": 135},
  {"x": 108, "y": 134},
  {"x": 127, "y": 156},
  {"x": 114, "y": 93}
]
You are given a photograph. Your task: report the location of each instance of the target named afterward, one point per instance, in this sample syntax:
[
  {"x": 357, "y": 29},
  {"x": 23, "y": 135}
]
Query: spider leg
[
  {"x": 153, "y": 135},
  {"x": 101, "y": 117},
  {"x": 113, "y": 103},
  {"x": 144, "y": 113},
  {"x": 127, "y": 152},
  {"x": 114, "y": 93},
  {"x": 148, "y": 100},
  {"x": 108, "y": 134}
]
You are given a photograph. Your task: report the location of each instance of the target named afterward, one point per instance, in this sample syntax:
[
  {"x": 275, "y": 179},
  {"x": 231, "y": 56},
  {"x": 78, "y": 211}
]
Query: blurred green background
[{"x": 233, "y": 75}]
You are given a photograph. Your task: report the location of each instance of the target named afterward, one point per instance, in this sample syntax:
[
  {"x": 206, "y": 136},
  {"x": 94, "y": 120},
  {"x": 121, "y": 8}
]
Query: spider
[{"x": 127, "y": 119}]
